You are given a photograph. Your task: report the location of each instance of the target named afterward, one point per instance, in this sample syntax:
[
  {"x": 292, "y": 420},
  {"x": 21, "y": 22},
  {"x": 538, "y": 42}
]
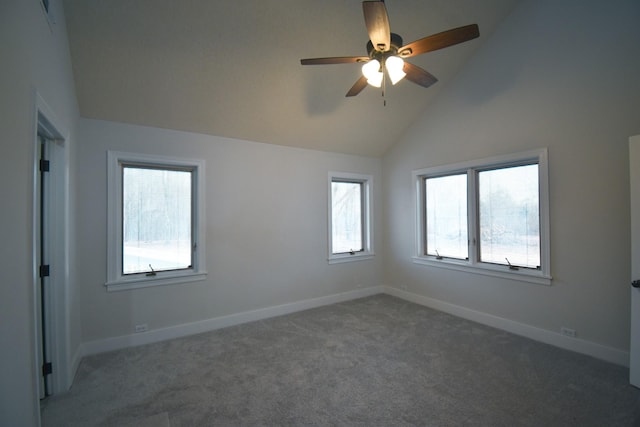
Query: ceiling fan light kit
[
  {"x": 372, "y": 71},
  {"x": 394, "y": 66},
  {"x": 387, "y": 53}
]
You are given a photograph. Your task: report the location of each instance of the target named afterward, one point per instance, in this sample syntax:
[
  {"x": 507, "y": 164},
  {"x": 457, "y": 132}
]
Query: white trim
[
  {"x": 367, "y": 186},
  {"x": 578, "y": 345},
  {"x": 170, "y": 278},
  {"x": 634, "y": 223},
  {"x": 49, "y": 15},
  {"x": 522, "y": 275},
  {"x": 58, "y": 229},
  {"x": 75, "y": 363},
  {"x": 473, "y": 265},
  {"x": 358, "y": 256},
  {"x": 116, "y": 281},
  {"x": 186, "y": 329}
]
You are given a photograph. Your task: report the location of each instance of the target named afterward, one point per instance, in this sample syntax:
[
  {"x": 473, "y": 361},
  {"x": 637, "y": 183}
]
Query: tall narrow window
[
  {"x": 350, "y": 235},
  {"x": 346, "y": 217},
  {"x": 446, "y": 216},
  {"x": 509, "y": 216},
  {"x": 156, "y": 219},
  {"x": 155, "y": 224}
]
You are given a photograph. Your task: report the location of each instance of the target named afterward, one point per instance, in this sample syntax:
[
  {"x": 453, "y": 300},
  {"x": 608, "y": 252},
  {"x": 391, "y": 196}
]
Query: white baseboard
[
  {"x": 116, "y": 343},
  {"x": 589, "y": 348},
  {"x": 578, "y": 345},
  {"x": 75, "y": 363}
]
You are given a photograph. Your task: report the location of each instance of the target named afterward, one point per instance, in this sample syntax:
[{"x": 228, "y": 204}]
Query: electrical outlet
[
  {"x": 568, "y": 332},
  {"x": 141, "y": 328}
]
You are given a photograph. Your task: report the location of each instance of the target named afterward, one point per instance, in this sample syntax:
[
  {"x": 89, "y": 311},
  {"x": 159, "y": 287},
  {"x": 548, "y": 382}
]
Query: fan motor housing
[{"x": 396, "y": 43}]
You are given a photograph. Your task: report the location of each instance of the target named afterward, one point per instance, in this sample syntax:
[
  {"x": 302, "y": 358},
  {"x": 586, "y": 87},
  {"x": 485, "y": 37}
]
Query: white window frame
[
  {"x": 116, "y": 281},
  {"x": 367, "y": 218},
  {"x": 473, "y": 264}
]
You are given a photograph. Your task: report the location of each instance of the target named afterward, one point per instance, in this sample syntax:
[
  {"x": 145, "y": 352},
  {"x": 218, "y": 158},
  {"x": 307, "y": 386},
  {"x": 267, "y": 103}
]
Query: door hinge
[
  {"x": 47, "y": 368},
  {"x": 44, "y": 165},
  {"x": 44, "y": 271}
]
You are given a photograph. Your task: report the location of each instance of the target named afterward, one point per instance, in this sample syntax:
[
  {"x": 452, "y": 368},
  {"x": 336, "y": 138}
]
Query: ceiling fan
[{"x": 387, "y": 53}]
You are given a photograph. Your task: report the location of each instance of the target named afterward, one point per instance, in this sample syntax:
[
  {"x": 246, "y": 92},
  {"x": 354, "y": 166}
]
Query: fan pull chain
[{"x": 384, "y": 87}]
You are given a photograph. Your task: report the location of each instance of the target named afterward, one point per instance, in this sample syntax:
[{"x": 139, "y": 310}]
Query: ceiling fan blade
[
  {"x": 439, "y": 41},
  {"x": 418, "y": 75},
  {"x": 358, "y": 86},
  {"x": 334, "y": 60},
  {"x": 377, "y": 22}
]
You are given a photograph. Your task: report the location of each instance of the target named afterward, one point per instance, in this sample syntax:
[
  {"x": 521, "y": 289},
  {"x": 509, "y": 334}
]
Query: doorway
[
  {"x": 50, "y": 254},
  {"x": 43, "y": 298},
  {"x": 634, "y": 173}
]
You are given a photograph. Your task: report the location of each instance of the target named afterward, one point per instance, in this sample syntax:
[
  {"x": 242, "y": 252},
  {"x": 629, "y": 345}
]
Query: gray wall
[
  {"x": 35, "y": 57},
  {"x": 266, "y": 215},
  {"x": 561, "y": 75}
]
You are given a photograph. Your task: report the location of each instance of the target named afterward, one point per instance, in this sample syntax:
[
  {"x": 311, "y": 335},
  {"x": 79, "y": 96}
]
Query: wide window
[
  {"x": 155, "y": 232},
  {"x": 489, "y": 216},
  {"x": 349, "y": 217}
]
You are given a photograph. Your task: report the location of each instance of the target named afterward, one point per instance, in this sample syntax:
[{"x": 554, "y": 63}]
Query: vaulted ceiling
[{"x": 232, "y": 68}]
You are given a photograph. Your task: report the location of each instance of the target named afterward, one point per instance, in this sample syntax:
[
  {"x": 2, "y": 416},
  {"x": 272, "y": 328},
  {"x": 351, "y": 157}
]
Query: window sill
[
  {"x": 522, "y": 275},
  {"x": 138, "y": 282},
  {"x": 342, "y": 258}
]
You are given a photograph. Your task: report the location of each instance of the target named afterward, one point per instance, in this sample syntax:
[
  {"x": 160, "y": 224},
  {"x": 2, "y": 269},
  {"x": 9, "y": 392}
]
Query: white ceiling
[{"x": 232, "y": 68}]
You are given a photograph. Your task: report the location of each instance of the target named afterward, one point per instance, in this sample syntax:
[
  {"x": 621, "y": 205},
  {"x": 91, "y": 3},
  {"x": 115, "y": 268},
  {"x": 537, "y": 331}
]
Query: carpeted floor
[{"x": 377, "y": 361}]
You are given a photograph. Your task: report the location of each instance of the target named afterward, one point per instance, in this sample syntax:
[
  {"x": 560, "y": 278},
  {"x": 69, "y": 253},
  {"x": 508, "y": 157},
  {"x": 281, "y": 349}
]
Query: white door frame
[
  {"x": 57, "y": 202},
  {"x": 634, "y": 183}
]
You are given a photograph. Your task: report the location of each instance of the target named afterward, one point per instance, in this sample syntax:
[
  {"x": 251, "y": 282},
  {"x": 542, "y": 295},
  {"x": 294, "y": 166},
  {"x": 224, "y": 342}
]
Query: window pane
[
  {"x": 156, "y": 219},
  {"x": 509, "y": 216},
  {"x": 346, "y": 217},
  {"x": 446, "y": 216}
]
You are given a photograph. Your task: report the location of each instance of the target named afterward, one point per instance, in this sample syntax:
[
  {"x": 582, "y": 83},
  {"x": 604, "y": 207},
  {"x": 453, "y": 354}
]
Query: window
[
  {"x": 156, "y": 219},
  {"x": 350, "y": 235},
  {"x": 155, "y": 230},
  {"x": 446, "y": 216},
  {"x": 509, "y": 216},
  {"x": 489, "y": 216}
]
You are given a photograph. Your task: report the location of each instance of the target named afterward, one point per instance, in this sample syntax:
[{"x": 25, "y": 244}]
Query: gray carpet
[{"x": 377, "y": 361}]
